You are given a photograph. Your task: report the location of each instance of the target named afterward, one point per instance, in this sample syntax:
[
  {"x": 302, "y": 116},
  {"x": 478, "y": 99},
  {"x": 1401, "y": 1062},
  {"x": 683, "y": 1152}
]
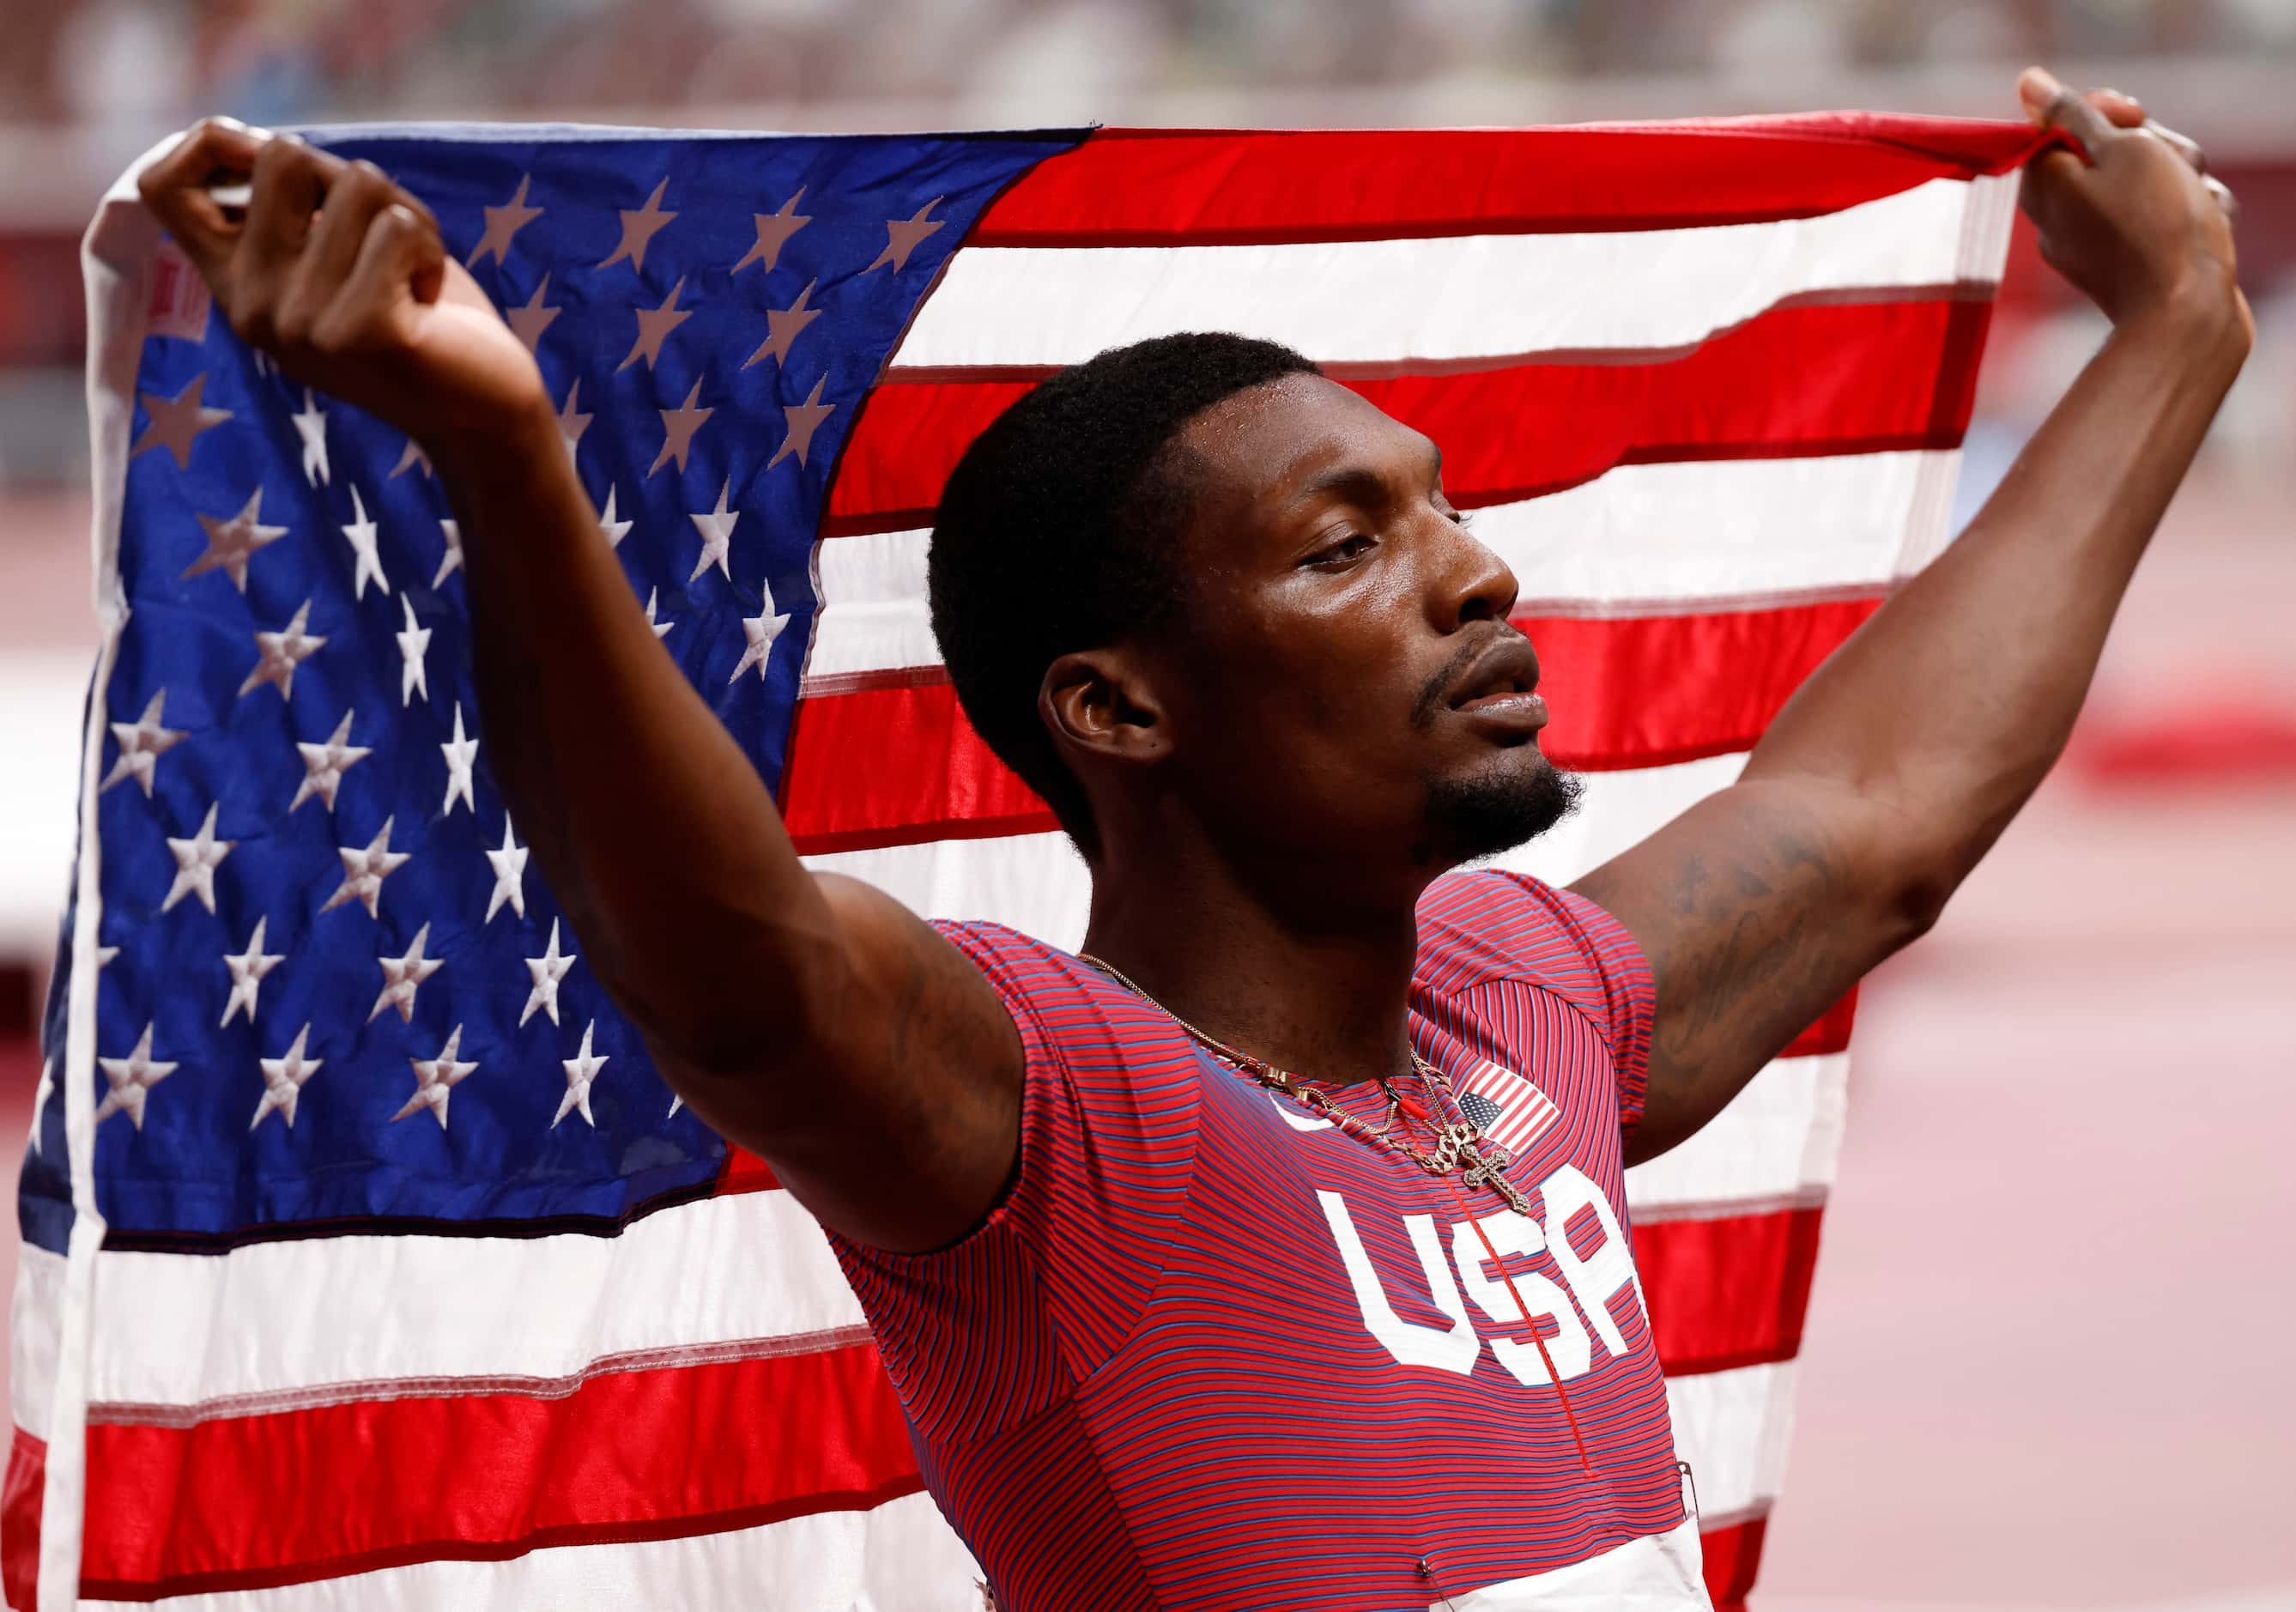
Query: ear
[{"x": 1099, "y": 702}]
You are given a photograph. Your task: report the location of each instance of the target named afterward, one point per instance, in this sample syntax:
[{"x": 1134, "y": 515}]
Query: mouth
[{"x": 1500, "y": 687}]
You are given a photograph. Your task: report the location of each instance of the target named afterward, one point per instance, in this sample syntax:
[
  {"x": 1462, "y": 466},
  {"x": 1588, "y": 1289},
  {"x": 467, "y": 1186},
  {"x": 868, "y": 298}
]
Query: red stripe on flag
[
  {"x": 1166, "y": 187},
  {"x": 20, "y": 1519},
  {"x": 897, "y": 762},
  {"x": 254, "y": 1502},
  {"x": 1732, "y": 1555},
  {"x": 1797, "y": 382},
  {"x": 1730, "y": 1291},
  {"x": 892, "y": 766},
  {"x": 1647, "y": 691}
]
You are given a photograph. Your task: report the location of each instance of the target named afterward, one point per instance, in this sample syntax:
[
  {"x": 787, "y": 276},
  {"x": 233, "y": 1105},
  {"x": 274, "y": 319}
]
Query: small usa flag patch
[{"x": 1512, "y": 1111}]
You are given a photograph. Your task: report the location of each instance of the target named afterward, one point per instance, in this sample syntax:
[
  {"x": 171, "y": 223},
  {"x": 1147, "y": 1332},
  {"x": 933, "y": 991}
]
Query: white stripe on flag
[
  {"x": 1775, "y": 1144},
  {"x": 32, "y": 1338},
  {"x": 1642, "y": 540},
  {"x": 265, "y": 1319},
  {"x": 1731, "y": 1427},
  {"x": 1467, "y": 296}
]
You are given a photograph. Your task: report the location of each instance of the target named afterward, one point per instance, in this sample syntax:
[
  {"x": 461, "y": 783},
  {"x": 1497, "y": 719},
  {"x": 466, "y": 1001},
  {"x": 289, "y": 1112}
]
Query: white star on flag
[
  {"x": 403, "y": 977},
  {"x": 902, "y": 236},
  {"x": 247, "y": 971},
  {"x": 361, "y": 532},
  {"x": 365, "y": 870},
  {"x": 804, "y": 419},
  {"x": 612, "y": 530},
  {"x": 196, "y": 861},
  {"x": 716, "y": 528},
  {"x": 413, "y": 644},
  {"x": 639, "y": 227},
  {"x": 435, "y": 1080},
  {"x": 529, "y": 322},
  {"x": 141, "y": 743},
  {"x": 572, "y": 424},
  {"x": 451, "y": 560},
  {"x": 774, "y": 230},
  {"x": 761, "y": 629},
  {"x": 282, "y": 1080},
  {"x": 509, "y": 864},
  {"x": 231, "y": 543},
  {"x": 311, "y": 425},
  {"x": 783, "y": 326},
  {"x": 460, "y": 753},
  {"x": 278, "y": 653},
  {"x": 410, "y": 458},
  {"x": 324, "y": 765},
  {"x": 131, "y": 1078},
  {"x": 581, "y": 1069},
  {"x": 503, "y": 223},
  {"x": 654, "y": 325},
  {"x": 176, "y": 423},
  {"x": 547, "y": 970},
  {"x": 661, "y": 628},
  {"x": 41, "y": 1093},
  {"x": 678, "y": 425}
]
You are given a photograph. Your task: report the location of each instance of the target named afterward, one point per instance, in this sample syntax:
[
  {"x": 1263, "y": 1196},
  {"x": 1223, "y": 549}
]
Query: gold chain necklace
[{"x": 1459, "y": 1143}]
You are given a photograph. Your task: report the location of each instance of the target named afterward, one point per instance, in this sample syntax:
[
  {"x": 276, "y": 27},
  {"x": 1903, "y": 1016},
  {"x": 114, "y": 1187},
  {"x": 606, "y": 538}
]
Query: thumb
[{"x": 2049, "y": 103}]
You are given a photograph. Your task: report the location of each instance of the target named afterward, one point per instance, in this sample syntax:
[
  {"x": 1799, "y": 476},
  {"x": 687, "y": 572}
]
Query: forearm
[
  {"x": 641, "y": 810},
  {"x": 1951, "y": 704}
]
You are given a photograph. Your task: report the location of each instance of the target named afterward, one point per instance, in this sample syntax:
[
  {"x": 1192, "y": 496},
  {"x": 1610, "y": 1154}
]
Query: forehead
[{"x": 1266, "y": 445}]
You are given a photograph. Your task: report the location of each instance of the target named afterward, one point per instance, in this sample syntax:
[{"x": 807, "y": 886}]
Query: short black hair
[{"x": 1056, "y": 529}]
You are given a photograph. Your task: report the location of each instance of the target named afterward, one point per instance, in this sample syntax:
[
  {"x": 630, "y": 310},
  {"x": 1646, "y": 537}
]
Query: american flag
[
  {"x": 1511, "y": 1110},
  {"x": 369, "y": 1263}
]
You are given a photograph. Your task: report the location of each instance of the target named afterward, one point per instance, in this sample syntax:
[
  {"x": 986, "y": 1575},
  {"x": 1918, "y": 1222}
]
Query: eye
[
  {"x": 1349, "y": 548},
  {"x": 1463, "y": 517}
]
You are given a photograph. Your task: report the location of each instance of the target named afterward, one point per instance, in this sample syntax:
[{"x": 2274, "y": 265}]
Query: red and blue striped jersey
[{"x": 1210, "y": 1351}]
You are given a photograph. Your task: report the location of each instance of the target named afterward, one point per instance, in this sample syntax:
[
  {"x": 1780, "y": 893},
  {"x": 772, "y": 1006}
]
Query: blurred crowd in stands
[{"x": 288, "y": 60}]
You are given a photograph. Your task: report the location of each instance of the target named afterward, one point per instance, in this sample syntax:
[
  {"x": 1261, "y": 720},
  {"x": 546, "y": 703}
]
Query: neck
[{"x": 1279, "y": 968}]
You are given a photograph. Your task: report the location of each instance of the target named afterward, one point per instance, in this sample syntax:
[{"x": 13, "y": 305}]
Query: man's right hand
[{"x": 340, "y": 275}]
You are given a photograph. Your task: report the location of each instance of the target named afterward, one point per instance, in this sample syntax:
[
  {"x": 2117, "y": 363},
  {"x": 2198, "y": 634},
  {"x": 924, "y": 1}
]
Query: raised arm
[
  {"x": 810, "y": 1018},
  {"x": 1897, "y": 766}
]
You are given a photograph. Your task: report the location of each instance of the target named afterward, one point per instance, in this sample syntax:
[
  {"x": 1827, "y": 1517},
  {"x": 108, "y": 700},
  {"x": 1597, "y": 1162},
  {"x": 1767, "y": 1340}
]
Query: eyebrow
[{"x": 1357, "y": 481}]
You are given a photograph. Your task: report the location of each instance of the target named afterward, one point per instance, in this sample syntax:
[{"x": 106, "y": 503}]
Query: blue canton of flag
[{"x": 331, "y": 992}]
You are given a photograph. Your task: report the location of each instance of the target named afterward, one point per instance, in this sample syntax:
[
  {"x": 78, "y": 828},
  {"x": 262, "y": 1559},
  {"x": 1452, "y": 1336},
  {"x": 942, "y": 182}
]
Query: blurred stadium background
[{"x": 2049, "y": 1356}]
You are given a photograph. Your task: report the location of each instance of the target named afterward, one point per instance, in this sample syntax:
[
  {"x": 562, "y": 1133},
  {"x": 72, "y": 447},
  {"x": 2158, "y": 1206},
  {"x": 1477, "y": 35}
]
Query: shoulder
[
  {"x": 1489, "y": 927},
  {"x": 1069, "y": 1013}
]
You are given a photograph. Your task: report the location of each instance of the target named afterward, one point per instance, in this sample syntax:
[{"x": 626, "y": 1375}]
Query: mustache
[{"x": 1430, "y": 697}]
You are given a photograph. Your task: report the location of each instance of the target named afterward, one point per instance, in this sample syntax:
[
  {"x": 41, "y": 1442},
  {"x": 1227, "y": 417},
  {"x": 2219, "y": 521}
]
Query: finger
[
  {"x": 400, "y": 250},
  {"x": 2049, "y": 103},
  {"x": 2225, "y": 199},
  {"x": 2120, "y": 110},
  {"x": 291, "y": 177},
  {"x": 2184, "y": 145},
  {"x": 175, "y": 188},
  {"x": 356, "y": 195}
]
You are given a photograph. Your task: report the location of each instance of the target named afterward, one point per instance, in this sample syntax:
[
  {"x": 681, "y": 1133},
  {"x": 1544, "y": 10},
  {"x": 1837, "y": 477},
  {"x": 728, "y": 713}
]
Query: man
[{"x": 1200, "y": 1283}]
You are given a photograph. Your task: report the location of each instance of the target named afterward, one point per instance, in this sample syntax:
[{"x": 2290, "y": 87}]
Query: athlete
[{"x": 1200, "y": 1284}]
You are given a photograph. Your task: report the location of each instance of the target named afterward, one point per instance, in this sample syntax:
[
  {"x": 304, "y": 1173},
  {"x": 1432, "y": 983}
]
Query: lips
[{"x": 1509, "y": 667}]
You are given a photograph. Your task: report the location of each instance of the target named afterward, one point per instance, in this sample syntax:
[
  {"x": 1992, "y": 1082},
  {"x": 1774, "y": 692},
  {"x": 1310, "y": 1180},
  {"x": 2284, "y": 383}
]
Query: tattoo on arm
[{"x": 1748, "y": 914}]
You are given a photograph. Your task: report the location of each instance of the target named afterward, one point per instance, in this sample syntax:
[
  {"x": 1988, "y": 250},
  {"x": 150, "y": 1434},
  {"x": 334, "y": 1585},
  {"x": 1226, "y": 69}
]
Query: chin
[{"x": 1496, "y": 808}]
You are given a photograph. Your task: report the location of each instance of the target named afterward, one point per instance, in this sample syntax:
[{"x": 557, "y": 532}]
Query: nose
[{"x": 1471, "y": 583}]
